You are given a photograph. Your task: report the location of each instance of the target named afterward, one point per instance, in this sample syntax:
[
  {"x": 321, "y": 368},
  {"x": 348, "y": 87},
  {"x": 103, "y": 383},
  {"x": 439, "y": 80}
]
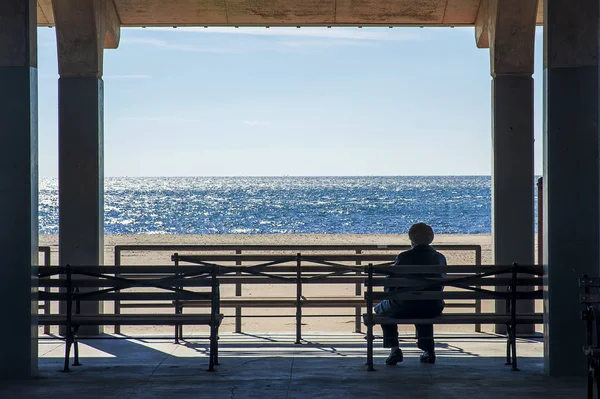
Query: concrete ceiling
[{"x": 289, "y": 12}]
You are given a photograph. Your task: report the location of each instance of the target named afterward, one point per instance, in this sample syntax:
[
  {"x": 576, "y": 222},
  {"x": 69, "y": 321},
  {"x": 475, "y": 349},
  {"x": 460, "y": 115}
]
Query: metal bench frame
[
  {"x": 472, "y": 286},
  {"x": 166, "y": 278}
]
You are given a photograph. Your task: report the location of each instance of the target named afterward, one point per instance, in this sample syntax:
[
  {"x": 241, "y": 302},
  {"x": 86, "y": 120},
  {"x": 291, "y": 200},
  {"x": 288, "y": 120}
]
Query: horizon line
[{"x": 279, "y": 176}]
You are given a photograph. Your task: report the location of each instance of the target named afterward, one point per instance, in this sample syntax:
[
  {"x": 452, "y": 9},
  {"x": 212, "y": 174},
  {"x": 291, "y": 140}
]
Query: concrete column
[
  {"x": 83, "y": 30},
  {"x": 571, "y": 189},
  {"x": 81, "y": 176},
  {"x": 18, "y": 189},
  {"x": 512, "y": 179},
  {"x": 507, "y": 27}
]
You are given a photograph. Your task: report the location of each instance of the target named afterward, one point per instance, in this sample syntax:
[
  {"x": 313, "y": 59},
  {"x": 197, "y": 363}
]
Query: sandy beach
[
  {"x": 311, "y": 324},
  {"x": 270, "y": 239}
]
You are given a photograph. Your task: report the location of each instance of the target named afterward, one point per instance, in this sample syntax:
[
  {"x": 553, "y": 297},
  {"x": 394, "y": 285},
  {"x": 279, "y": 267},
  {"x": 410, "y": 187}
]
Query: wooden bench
[
  {"x": 296, "y": 270},
  {"x": 73, "y": 285},
  {"x": 500, "y": 282},
  {"x": 591, "y": 316}
]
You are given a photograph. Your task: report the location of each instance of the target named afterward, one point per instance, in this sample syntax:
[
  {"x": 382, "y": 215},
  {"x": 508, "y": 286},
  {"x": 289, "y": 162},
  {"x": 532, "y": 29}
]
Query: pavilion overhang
[{"x": 291, "y": 13}]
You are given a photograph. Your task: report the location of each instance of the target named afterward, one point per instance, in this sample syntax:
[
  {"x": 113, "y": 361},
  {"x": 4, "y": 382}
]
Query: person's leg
[
  {"x": 390, "y": 336},
  {"x": 425, "y": 342},
  {"x": 390, "y": 331},
  {"x": 390, "y": 340},
  {"x": 425, "y": 337}
]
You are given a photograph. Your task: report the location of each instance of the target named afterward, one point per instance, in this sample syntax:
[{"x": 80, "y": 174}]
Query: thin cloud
[
  {"x": 373, "y": 34},
  {"x": 326, "y": 43},
  {"x": 180, "y": 46},
  {"x": 133, "y": 76},
  {"x": 257, "y": 123},
  {"x": 167, "y": 119}
]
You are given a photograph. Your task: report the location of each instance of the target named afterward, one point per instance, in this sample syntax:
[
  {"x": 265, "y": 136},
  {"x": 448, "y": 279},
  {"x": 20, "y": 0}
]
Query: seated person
[{"x": 421, "y": 253}]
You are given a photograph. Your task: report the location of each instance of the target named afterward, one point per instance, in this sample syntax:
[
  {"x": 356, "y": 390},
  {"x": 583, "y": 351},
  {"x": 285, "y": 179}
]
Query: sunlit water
[{"x": 274, "y": 205}]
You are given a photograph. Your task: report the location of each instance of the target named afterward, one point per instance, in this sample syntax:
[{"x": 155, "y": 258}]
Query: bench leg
[
  {"x": 76, "y": 354},
  {"x": 76, "y": 348},
  {"x": 513, "y": 339},
  {"x": 68, "y": 342},
  {"x": 217, "y": 346},
  {"x": 298, "y": 326},
  {"x": 370, "y": 340},
  {"x": 357, "y": 321},
  {"x": 508, "y": 358},
  {"x": 178, "y": 328},
  {"x": 238, "y": 320},
  {"x": 212, "y": 360}
]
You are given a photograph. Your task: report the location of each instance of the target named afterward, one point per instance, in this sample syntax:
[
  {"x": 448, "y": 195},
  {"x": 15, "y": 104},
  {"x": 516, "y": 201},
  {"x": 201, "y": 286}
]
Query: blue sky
[{"x": 287, "y": 101}]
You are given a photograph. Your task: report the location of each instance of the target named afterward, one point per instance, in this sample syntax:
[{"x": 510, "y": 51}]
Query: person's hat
[{"x": 420, "y": 234}]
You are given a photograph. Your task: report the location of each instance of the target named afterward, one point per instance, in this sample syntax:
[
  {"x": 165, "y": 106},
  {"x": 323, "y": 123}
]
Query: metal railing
[
  {"x": 361, "y": 253},
  {"x": 47, "y": 262}
]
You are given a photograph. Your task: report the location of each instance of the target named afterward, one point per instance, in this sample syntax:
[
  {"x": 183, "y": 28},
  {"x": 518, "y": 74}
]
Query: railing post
[
  {"x": 588, "y": 317},
  {"x": 370, "y": 337},
  {"x": 46, "y": 307},
  {"x": 213, "y": 356},
  {"x": 508, "y": 303},
  {"x": 478, "y": 301},
  {"x": 540, "y": 223},
  {"x": 69, "y": 332},
  {"x": 513, "y": 316},
  {"x": 178, "y": 309},
  {"x": 358, "y": 309},
  {"x": 298, "y": 298},
  {"x": 238, "y": 292},
  {"x": 117, "y": 303}
]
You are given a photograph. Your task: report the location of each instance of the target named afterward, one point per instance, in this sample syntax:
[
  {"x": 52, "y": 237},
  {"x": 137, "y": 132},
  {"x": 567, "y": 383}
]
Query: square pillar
[
  {"x": 513, "y": 180},
  {"x": 81, "y": 177},
  {"x": 571, "y": 174},
  {"x": 18, "y": 190}
]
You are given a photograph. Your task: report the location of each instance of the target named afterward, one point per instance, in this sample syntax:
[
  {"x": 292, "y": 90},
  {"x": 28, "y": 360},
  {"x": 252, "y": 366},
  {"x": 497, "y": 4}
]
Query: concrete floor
[{"x": 271, "y": 366}]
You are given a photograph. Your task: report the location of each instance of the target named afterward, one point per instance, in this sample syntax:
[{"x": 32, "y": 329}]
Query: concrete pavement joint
[
  {"x": 52, "y": 350},
  {"x": 232, "y": 391},
  {"x": 152, "y": 374},
  {"x": 287, "y": 392}
]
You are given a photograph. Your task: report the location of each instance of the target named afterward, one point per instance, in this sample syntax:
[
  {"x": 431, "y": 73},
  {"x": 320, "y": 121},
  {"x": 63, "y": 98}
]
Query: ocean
[{"x": 280, "y": 205}]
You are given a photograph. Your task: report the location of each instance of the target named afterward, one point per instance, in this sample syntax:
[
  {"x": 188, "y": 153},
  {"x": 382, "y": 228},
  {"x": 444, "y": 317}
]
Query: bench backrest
[
  {"x": 95, "y": 283},
  {"x": 469, "y": 282}
]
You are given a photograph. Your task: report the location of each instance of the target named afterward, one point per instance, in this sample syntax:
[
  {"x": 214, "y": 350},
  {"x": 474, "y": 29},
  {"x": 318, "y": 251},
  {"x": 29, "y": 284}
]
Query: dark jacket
[{"x": 421, "y": 255}]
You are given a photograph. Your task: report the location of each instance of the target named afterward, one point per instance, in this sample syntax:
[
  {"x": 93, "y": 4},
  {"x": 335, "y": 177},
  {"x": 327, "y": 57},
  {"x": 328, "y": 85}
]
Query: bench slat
[
  {"x": 138, "y": 283},
  {"x": 460, "y": 318},
  {"x": 338, "y": 302},
  {"x": 484, "y": 282},
  {"x": 400, "y": 270},
  {"x": 126, "y": 296},
  {"x": 283, "y": 302},
  {"x": 452, "y": 295},
  {"x": 304, "y": 258},
  {"x": 129, "y": 319},
  {"x": 141, "y": 269}
]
